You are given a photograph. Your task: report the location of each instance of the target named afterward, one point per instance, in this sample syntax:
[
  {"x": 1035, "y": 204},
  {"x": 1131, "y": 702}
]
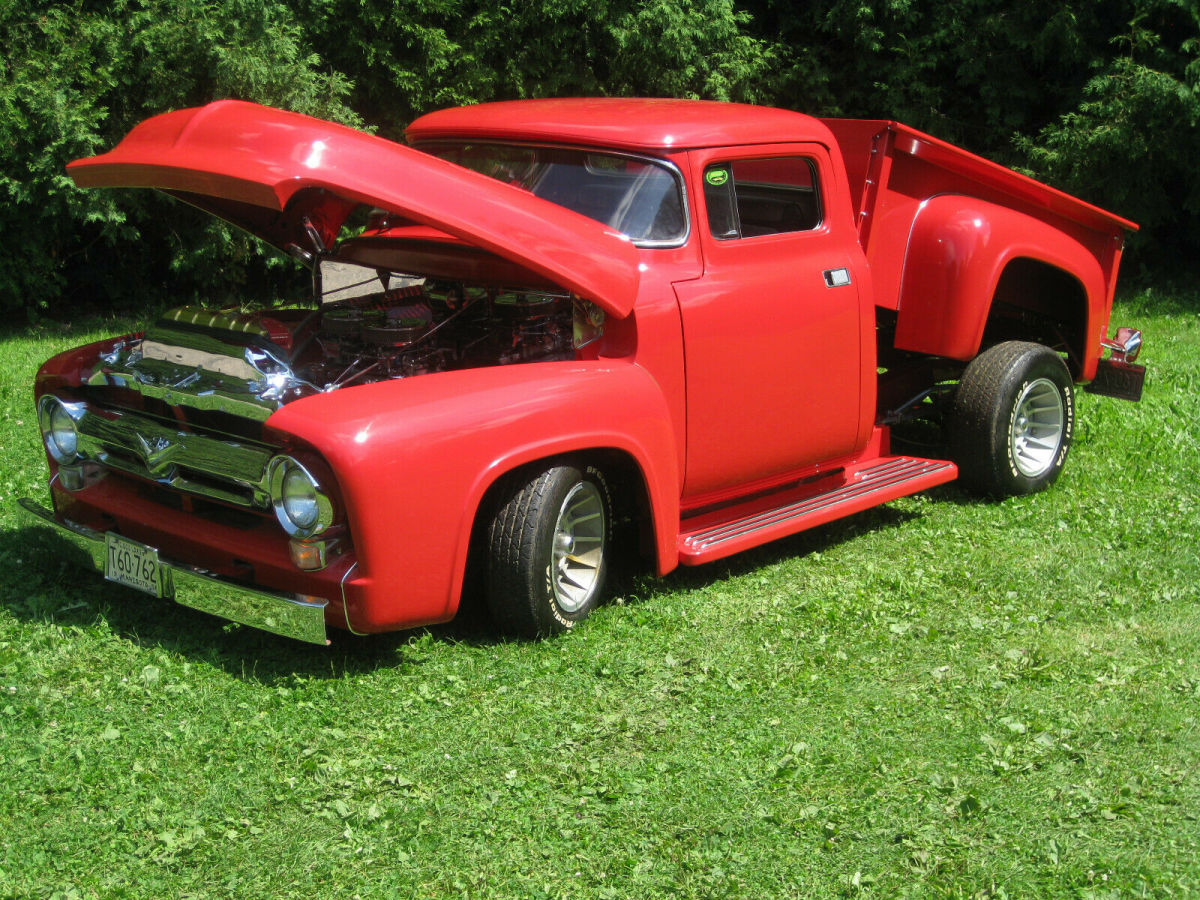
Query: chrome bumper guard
[{"x": 280, "y": 614}]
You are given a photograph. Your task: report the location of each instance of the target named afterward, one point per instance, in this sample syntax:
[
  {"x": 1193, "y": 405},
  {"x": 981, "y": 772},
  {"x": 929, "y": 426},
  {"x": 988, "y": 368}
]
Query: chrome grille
[{"x": 228, "y": 470}]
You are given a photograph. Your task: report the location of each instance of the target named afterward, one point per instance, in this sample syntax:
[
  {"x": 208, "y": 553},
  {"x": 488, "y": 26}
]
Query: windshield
[{"x": 640, "y": 198}]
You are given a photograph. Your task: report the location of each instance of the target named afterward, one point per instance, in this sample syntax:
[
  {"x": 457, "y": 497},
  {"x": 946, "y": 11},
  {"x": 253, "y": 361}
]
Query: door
[{"x": 773, "y": 331}]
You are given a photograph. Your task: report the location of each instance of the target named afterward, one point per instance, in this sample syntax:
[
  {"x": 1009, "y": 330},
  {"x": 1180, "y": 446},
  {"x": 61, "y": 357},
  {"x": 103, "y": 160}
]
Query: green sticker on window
[{"x": 717, "y": 177}]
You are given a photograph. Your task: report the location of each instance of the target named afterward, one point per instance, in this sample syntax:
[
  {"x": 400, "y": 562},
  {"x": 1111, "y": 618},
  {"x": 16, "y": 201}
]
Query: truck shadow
[
  {"x": 640, "y": 588},
  {"x": 39, "y": 582}
]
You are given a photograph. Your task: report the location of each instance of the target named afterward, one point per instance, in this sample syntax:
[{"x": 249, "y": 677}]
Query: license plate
[
  {"x": 1118, "y": 379},
  {"x": 132, "y": 564}
]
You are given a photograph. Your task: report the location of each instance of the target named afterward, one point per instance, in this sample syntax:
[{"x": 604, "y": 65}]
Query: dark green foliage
[
  {"x": 407, "y": 57},
  {"x": 75, "y": 78},
  {"x": 1100, "y": 97},
  {"x": 1130, "y": 143},
  {"x": 974, "y": 72}
]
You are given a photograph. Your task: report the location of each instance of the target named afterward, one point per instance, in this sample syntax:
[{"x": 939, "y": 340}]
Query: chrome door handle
[{"x": 836, "y": 277}]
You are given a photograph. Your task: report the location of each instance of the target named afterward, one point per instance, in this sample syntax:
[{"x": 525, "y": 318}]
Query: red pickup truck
[{"x": 542, "y": 325}]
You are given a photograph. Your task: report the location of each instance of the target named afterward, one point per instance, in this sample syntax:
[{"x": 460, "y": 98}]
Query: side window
[{"x": 752, "y": 197}]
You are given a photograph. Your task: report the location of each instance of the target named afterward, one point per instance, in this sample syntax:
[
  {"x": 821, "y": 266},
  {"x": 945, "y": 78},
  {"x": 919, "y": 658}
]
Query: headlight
[
  {"x": 301, "y": 507},
  {"x": 57, "y": 421}
]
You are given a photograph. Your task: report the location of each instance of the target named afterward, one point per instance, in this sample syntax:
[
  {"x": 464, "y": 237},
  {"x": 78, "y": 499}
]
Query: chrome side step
[{"x": 715, "y": 535}]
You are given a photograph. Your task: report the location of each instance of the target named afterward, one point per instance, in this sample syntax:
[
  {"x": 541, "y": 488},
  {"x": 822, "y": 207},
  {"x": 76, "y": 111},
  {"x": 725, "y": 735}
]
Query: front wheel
[
  {"x": 1013, "y": 419},
  {"x": 547, "y": 551}
]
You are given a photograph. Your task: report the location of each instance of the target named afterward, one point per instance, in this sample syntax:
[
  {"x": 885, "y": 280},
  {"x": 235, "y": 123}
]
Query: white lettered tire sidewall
[
  {"x": 1067, "y": 400},
  {"x": 548, "y": 550}
]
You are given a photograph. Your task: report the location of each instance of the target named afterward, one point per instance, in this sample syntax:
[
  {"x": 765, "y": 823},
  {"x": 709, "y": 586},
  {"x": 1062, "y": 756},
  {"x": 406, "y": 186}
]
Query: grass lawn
[{"x": 939, "y": 698}]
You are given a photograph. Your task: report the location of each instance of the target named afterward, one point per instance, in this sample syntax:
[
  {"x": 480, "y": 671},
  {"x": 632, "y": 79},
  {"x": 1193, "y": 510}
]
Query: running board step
[{"x": 737, "y": 528}]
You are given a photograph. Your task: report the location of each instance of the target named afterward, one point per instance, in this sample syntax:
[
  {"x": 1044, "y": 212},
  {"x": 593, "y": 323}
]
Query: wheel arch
[
  {"x": 1036, "y": 301},
  {"x": 639, "y": 522},
  {"x": 976, "y": 273}
]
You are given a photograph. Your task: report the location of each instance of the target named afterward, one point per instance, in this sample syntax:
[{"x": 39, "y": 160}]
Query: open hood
[{"x": 292, "y": 180}]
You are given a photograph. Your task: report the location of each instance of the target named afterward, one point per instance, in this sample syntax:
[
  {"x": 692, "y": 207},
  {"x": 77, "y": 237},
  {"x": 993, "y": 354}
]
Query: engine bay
[
  {"x": 419, "y": 329},
  {"x": 398, "y": 327}
]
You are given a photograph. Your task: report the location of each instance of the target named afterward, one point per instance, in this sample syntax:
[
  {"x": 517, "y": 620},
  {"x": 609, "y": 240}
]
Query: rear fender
[
  {"x": 414, "y": 459},
  {"x": 957, "y": 251}
]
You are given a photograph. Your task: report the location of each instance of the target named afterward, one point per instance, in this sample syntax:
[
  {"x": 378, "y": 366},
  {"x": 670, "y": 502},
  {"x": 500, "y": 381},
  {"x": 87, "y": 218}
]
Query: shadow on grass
[{"x": 40, "y": 583}]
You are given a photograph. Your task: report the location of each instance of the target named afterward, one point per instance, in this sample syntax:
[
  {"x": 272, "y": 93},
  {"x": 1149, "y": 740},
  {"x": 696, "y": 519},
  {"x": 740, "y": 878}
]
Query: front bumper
[{"x": 281, "y": 614}]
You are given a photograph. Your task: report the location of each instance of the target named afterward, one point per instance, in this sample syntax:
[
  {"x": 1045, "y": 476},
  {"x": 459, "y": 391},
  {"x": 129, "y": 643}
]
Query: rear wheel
[
  {"x": 547, "y": 551},
  {"x": 1013, "y": 419}
]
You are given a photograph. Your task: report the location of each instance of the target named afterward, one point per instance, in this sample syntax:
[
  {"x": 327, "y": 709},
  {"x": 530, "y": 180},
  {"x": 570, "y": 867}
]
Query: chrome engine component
[{"x": 252, "y": 364}]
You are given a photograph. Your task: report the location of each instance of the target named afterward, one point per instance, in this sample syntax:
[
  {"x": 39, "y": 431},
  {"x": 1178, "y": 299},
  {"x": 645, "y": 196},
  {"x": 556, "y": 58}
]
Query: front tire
[
  {"x": 547, "y": 551},
  {"x": 1013, "y": 419}
]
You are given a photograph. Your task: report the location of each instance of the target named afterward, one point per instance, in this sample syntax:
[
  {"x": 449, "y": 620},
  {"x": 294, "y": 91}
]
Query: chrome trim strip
[
  {"x": 278, "y": 613},
  {"x": 345, "y": 605}
]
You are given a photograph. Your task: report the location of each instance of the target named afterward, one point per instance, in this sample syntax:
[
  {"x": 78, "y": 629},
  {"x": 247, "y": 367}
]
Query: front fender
[
  {"x": 957, "y": 251},
  {"x": 413, "y": 459}
]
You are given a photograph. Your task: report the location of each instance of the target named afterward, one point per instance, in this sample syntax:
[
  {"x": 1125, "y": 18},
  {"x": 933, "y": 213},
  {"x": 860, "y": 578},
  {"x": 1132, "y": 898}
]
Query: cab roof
[{"x": 622, "y": 123}]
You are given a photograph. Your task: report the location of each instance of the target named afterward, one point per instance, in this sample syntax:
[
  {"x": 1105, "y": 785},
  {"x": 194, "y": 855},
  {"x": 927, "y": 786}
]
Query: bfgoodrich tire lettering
[
  {"x": 1013, "y": 419},
  {"x": 547, "y": 550}
]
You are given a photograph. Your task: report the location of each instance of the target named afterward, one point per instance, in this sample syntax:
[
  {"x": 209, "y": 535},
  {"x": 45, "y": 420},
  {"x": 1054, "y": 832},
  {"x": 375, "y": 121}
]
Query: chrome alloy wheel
[
  {"x": 577, "y": 554},
  {"x": 1036, "y": 432}
]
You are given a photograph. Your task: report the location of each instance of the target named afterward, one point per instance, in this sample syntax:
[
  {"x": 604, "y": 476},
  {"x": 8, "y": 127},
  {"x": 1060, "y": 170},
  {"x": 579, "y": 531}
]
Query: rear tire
[
  {"x": 548, "y": 551},
  {"x": 1012, "y": 420}
]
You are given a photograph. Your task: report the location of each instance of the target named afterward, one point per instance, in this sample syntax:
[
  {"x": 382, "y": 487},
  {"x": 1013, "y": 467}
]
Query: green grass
[{"x": 939, "y": 698}]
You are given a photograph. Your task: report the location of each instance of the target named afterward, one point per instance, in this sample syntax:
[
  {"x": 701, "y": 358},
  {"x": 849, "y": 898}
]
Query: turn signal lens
[{"x": 308, "y": 555}]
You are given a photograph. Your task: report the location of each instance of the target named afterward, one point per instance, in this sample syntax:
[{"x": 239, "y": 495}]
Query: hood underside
[{"x": 293, "y": 180}]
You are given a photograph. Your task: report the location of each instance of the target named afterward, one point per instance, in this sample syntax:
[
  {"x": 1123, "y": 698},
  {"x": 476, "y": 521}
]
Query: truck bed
[{"x": 893, "y": 169}]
